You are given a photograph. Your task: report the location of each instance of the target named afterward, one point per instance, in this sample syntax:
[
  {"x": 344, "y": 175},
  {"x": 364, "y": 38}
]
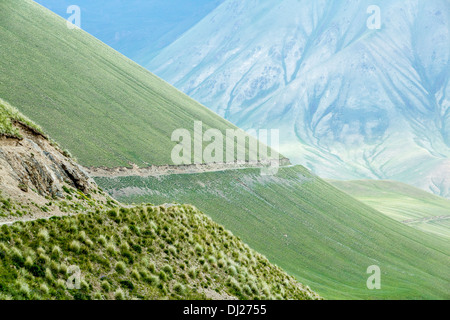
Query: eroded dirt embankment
[{"x": 33, "y": 173}]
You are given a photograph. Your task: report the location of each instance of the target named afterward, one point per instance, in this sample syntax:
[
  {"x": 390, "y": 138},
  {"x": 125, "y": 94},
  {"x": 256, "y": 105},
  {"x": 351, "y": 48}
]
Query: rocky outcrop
[
  {"x": 38, "y": 180},
  {"x": 33, "y": 163}
]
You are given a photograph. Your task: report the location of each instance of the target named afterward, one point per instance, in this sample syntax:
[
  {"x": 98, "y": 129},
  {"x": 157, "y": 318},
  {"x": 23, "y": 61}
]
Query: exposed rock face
[
  {"x": 32, "y": 163},
  {"x": 38, "y": 181}
]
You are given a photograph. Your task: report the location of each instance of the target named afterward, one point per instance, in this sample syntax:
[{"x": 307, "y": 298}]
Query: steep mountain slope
[
  {"x": 414, "y": 207},
  {"x": 146, "y": 252},
  {"x": 315, "y": 232},
  {"x": 95, "y": 102},
  {"x": 351, "y": 102},
  {"x": 138, "y": 253}
]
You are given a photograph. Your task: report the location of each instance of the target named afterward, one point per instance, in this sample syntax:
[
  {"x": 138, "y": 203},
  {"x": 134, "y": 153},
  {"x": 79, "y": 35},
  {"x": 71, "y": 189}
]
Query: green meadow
[{"x": 419, "y": 209}]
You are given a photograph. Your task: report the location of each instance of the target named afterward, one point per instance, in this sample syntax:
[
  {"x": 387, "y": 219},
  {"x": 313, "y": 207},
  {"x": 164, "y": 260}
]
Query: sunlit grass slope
[
  {"x": 415, "y": 207},
  {"x": 312, "y": 230},
  {"x": 104, "y": 108},
  {"x": 139, "y": 253}
]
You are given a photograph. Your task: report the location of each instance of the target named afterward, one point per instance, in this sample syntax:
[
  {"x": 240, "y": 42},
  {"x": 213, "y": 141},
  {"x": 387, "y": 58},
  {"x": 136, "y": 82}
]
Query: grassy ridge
[
  {"x": 8, "y": 115},
  {"x": 315, "y": 232},
  {"x": 143, "y": 252},
  {"x": 402, "y": 203},
  {"x": 104, "y": 108}
]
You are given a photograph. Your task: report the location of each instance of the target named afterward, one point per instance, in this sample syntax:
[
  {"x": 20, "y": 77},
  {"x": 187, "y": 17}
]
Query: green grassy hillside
[
  {"x": 315, "y": 232},
  {"x": 104, "y": 108},
  {"x": 415, "y": 207},
  {"x": 143, "y": 253}
]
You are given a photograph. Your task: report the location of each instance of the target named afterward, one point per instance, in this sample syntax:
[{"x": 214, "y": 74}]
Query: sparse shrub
[
  {"x": 125, "y": 230},
  {"x": 254, "y": 288},
  {"x": 98, "y": 296},
  {"x": 17, "y": 257},
  {"x": 137, "y": 248},
  {"x": 75, "y": 246},
  {"x": 179, "y": 289},
  {"x": 48, "y": 274},
  {"x": 235, "y": 286},
  {"x": 82, "y": 236},
  {"x": 89, "y": 243},
  {"x": 66, "y": 190},
  {"x": 106, "y": 286},
  {"x": 43, "y": 234},
  {"x": 152, "y": 280},
  {"x": 43, "y": 287},
  {"x": 84, "y": 285},
  {"x": 28, "y": 262},
  {"x": 232, "y": 271},
  {"x": 63, "y": 268},
  {"x": 168, "y": 269},
  {"x": 135, "y": 274},
  {"x": 5, "y": 297},
  {"x": 124, "y": 247},
  {"x": 127, "y": 284},
  {"x": 111, "y": 249},
  {"x": 37, "y": 270},
  {"x": 56, "y": 252},
  {"x": 198, "y": 248},
  {"x": 121, "y": 267},
  {"x": 54, "y": 266},
  {"x": 221, "y": 255},
  {"x": 192, "y": 273},
  {"x": 24, "y": 288},
  {"x": 61, "y": 284},
  {"x": 3, "y": 249},
  {"x": 221, "y": 263},
  {"x": 153, "y": 226},
  {"x": 247, "y": 290},
  {"x": 102, "y": 240},
  {"x": 113, "y": 213},
  {"x": 173, "y": 250},
  {"x": 212, "y": 260},
  {"x": 152, "y": 268},
  {"x": 162, "y": 276},
  {"x": 119, "y": 294}
]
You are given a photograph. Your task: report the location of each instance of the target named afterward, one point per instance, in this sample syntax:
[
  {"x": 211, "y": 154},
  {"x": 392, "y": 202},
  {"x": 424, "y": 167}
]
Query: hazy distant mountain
[
  {"x": 351, "y": 102},
  {"x": 136, "y": 28}
]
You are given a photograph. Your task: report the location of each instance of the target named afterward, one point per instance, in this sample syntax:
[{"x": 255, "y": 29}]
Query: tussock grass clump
[
  {"x": 141, "y": 253},
  {"x": 43, "y": 234},
  {"x": 119, "y": 294},
  {"x": 121, "y": 267},
  {"x": 75, "y": 246}
]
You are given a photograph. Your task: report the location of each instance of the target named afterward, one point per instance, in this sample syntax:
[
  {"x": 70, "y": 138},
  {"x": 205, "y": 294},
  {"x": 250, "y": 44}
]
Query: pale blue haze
[
  {"x": 136, "y": 28},
  {"x": 350, "y": 102}
]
